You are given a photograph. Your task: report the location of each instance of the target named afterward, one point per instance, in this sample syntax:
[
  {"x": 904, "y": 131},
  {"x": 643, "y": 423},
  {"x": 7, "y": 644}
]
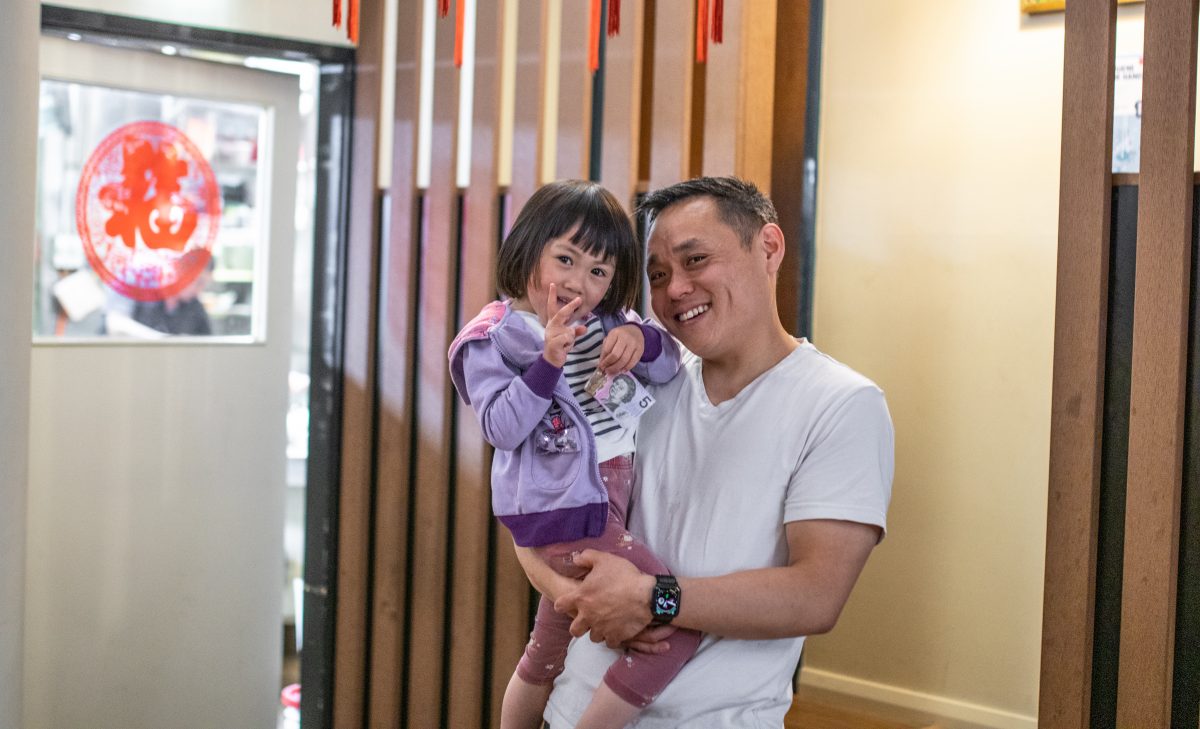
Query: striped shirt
[{"x": 612, "y": 440}]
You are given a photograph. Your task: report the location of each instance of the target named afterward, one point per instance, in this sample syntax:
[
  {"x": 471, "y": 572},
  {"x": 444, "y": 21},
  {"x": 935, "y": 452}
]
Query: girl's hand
[
  {"x": 622, "y": 349},
  {"x": 560, "y": 333}
]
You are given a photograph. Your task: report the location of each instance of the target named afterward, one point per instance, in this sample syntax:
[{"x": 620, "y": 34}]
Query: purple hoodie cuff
[
  {"x": 653, "y": 346},
  {"x": 541, "y": 377}
]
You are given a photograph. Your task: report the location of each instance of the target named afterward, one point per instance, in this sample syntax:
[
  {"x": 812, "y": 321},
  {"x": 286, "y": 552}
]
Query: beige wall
[
  {"x": 309, "y": 20},
  {"x": 936, "y": 250},
  {"x": 18, "y": 121}
]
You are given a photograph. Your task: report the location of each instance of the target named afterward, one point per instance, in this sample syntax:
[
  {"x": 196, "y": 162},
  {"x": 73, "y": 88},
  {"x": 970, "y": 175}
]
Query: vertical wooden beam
[
  {"x": 722, "y": 76},
  {"x": 574, "y": 96},
  {"x": 756, "y": 93},
  {"x": 426, "y": 692},
  {"x": 649, "y": 33},
  {"x": 1160, "y": 330},
  {"x": 358, "y": 388},
  {"x": 787, "y": 150},
  {"x": 1085, "y": 200},
  {"x": 469, "y": 690},
  {"x": 622, "y": 81},
  {"x": 393, "y": 435},
  {"x": 674, "y": 54}
]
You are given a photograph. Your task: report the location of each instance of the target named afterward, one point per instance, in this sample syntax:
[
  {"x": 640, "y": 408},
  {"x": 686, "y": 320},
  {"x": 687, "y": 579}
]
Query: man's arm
[{"x": 803, "y": 598}]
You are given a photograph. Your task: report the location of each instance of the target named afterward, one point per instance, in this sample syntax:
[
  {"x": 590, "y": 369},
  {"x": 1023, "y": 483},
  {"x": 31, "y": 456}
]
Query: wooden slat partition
[
  {"x": 511, "y": 599},
  {"x": 433, "y": 608},
  {"x": 1085, "y": 200},
  {"x": 672, "y": 130},
  {"x": 469, "y": 685},
  {"x": 756, "y": 93},
  {"x": 425, "y": 697},
  {"x": 396, "y": 336},
  {"x": 1160, "y": 332},
  {"x": 574, "y": 95},
  {"x": 622, "y": 92},
  {"x": 352, "y": 593},
  {"x": 722, "y": 74},
  {"x": 787, "y": 151}
]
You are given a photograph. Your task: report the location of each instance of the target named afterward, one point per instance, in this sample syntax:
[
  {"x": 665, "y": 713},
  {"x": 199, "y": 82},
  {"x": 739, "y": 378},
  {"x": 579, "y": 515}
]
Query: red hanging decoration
[
  {"x": 594, "y": 38},
  {"x": 701, "y": 31},
  {"x": 459, "y": 13},
  {"x": 352, "y": 20},
  {"x": 337, "y": 13},
  {"x": 718, "y": 21},
  {"x": 614, "y": 17},
  {"x": 443, "y": 8}
]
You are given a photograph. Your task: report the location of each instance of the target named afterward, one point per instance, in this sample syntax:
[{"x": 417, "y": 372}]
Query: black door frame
[{"x": 334, "y": 112}]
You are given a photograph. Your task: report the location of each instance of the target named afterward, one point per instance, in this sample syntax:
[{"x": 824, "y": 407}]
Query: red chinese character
[{"x": 148, "y": 198}]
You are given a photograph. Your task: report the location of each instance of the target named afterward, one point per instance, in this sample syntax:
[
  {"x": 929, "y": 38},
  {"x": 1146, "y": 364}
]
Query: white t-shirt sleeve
[{"x": 845, "y": 470}]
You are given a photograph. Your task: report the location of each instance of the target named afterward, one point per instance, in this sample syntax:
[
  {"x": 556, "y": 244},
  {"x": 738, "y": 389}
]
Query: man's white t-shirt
[{"x": 808, "y": 439}]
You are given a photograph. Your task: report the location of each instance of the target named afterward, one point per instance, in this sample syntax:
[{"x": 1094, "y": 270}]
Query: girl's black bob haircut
[{"x": 605, "y": 230}]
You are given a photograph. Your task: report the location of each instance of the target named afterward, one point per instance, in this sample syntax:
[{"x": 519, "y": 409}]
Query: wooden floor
[
  {"x": 815, "y": 708},
  {"x": 814, "y": 715}
]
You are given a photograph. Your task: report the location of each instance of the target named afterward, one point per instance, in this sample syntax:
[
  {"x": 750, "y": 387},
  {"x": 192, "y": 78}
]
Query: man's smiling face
[{"x": 706, "y": 288}]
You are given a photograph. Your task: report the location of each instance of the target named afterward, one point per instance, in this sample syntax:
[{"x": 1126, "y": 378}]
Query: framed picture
[{"x": 1049, "y": 6}]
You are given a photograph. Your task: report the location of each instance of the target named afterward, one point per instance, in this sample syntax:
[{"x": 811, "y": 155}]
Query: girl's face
[{"x": 574, "y": 273}]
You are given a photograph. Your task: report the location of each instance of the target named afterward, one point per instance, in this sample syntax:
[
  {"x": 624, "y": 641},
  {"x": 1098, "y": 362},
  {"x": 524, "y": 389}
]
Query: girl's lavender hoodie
[{"x": 497, "y": 366}]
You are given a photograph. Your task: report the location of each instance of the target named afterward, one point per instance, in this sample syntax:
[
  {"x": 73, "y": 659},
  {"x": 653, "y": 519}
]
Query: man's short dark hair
[
  {"x": 741, "y": 205},
  {"x": 605, "y": 231}
]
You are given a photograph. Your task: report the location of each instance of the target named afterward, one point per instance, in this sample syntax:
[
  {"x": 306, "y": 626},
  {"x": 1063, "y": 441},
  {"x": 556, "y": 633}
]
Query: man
[{"x": 764, "y": 476}]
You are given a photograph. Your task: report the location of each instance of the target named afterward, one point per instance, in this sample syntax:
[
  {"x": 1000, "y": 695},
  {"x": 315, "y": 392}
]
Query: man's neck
[{"x": 724, "y": 378}]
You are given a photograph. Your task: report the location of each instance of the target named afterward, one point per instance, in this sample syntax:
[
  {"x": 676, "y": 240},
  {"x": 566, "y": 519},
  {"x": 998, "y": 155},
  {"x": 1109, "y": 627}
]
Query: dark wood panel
[
  {"x": 470, "y": 684},
  {"x": 425, "y": 698},
  {"x": 1085, "y": 199},
  {"x": 358, "y": 390},
  {"x": 1185, "y": 696},
  {"x": 787, "y": 152},
  {"x": 1159, "y": 361}
]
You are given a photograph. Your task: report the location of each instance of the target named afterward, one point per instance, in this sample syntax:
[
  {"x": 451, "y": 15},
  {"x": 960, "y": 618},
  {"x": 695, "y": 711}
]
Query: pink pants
[{"x": 635, "y": 677}]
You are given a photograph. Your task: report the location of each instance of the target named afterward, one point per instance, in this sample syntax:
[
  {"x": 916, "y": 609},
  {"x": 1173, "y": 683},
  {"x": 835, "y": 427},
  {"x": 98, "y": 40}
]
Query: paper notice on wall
[
  {"x": 1127, "y": 113},
  {"x": 79, "y": 294}
]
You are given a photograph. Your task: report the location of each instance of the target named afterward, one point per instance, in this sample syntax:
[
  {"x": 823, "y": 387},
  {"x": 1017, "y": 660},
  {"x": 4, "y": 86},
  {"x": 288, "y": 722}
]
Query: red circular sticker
[{"x": 148, "y": 209}]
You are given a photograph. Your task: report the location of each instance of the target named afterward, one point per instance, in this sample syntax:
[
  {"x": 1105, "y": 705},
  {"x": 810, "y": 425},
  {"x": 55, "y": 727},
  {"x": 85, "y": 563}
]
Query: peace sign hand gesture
[{"x": 560, "y": 333}]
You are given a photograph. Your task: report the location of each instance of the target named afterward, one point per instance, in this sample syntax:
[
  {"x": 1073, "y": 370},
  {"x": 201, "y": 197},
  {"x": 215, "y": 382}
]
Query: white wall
[
  {"x": 309, "y": 20},
  {"x": 18, "y": 129},
  {"x": 935, "y": 274}
]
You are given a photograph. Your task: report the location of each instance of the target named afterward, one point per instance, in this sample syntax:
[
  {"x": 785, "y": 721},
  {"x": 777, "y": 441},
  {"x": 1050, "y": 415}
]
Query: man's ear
[{"x": 771, "y": 240}]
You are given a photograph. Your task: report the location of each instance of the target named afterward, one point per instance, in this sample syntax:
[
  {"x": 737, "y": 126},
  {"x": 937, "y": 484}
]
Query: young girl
[{"x": 563, "y": 467}]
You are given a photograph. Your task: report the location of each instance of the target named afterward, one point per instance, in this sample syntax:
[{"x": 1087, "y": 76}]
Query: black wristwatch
[{"x": 664, "y": 600}]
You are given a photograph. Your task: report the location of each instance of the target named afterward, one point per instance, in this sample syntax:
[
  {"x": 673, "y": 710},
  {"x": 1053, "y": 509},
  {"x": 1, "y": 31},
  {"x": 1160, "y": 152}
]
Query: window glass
[{"x": 150, "y": 216}]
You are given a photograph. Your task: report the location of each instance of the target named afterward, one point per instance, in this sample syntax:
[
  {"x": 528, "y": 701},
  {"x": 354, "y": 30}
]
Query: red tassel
[
  {"x": 594, "y": 37},
  {"x": 337, "y": 13},
  {"x": 701, "y": 31},
  {"x": 614, "y": 17},
  {"x": 718, "y": 21},
  {"x": 459, "y": 20},
  {"x": 443, "y": 8},
  {"x": 352, "y": 20}
]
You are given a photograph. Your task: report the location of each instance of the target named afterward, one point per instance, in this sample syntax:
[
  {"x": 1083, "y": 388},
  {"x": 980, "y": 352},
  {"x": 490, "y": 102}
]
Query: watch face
[{"x": 666, "y": 601}]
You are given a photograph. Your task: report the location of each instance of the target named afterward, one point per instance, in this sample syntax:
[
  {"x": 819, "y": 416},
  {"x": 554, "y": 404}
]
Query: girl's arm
[{"x": 509, "y": 406}]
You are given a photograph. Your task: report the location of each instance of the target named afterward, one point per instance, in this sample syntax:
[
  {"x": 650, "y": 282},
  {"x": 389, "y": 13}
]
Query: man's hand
[
  {"x": 560, "y": 333},
  {"x": 613, "y": 601},
  {"x": 623, "y": 348}
]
